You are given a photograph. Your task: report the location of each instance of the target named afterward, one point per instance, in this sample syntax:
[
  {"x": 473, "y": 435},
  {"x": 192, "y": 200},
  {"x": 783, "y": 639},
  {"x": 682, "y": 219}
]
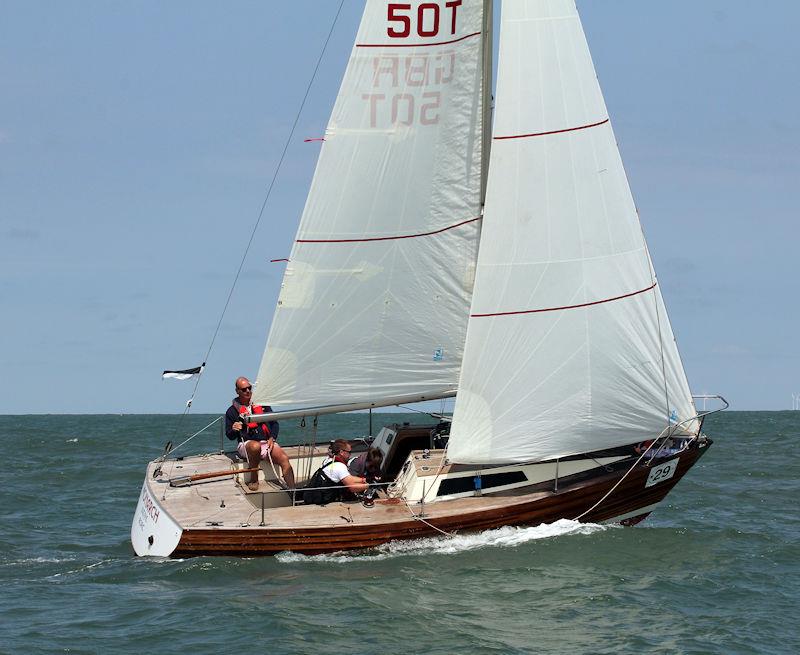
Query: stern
[{"x": 153, "y": 532}]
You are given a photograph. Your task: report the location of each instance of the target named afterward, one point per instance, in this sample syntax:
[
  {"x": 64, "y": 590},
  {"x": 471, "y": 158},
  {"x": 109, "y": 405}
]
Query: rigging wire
[
  {"x": 417, "y": 517},
  {"x": 422, "y": 411},
  {"x": 663, "y": 362},
  {"x": 619, "y": 482},
  {"x": 261, "y": 211},
  {"x": 187, "y": 440},
  {"x": 656, "y": 291},
  {"x": 665, "y": 434}
]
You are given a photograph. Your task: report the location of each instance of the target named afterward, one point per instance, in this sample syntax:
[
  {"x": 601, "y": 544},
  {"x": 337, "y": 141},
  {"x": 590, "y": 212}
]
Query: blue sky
[{"x": 137, "y": 141}]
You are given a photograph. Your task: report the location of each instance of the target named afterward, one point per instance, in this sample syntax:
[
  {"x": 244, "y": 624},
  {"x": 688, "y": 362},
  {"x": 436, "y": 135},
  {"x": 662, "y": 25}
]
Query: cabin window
[{"x": 465, "y": 484}]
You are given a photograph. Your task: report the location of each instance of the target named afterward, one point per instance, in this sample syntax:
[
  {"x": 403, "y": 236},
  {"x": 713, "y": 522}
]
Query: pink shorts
[{"x": 265, "y": 447}]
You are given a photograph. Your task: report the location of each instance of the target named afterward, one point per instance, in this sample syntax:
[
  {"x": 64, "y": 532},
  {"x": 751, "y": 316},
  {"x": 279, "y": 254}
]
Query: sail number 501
[
  {"x": 662, "y": 472},
  {"x": 426, "y": 20}
]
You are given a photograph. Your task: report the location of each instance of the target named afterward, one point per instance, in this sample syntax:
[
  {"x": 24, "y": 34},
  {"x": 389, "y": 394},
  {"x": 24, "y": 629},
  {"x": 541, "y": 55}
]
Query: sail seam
[
  {"x": 400, "y": 236},
  {"x": 414, "y": 45},
  {"x": 568, "y": 129},
  {"x": 555, "y": 309}
]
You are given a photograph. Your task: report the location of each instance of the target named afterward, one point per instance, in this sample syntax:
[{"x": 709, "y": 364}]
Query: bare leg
[
  {"x": 253, "y": 449},
  {"x": 282, "y": 460}
]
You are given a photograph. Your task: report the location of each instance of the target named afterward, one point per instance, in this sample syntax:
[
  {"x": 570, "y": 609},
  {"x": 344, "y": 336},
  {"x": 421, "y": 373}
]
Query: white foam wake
[
  {"x": 80, "y": 569},
  {"x": 506, "y": 537}
]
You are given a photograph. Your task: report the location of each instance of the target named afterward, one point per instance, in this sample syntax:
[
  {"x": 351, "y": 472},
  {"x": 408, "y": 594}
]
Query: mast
[{"x": 486, "y": 123}]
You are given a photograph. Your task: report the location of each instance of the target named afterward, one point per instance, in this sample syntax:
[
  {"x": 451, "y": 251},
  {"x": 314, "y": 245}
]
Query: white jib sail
[
  {"x": 568, "y": 347},
  {"x": 375, "y": 298}
]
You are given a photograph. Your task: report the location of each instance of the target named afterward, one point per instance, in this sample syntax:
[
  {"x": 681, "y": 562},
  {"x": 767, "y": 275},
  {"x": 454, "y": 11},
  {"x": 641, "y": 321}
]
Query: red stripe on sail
[
  {"x": 569, "y": 129},
  {"x": 401, "y": 236},
  {"x": 272, "y": 261},
  {"x": 555, "y": 309},
  {"x": 414, "y": 45},
  {"x": 321, "y": 138}
]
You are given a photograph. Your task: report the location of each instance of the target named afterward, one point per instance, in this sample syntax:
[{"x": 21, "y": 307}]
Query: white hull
[{"x": 153, "y": 532}]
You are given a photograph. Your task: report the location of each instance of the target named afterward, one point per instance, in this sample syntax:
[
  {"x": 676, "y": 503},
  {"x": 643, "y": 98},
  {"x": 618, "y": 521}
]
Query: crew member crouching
[{"x": 334, "y": 475}]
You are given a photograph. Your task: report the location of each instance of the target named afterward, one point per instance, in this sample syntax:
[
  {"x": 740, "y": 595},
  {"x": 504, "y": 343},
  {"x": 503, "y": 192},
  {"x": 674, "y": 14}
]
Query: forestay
[
  {"x": 568, "y": 347},
  {"x": 375, "y": 297}
]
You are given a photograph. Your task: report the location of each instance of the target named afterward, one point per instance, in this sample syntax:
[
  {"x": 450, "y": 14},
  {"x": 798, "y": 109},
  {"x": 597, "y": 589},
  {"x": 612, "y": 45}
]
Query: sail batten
[
  {"x": 417, "y": 45},
  {"x": 549, "y": 132},
  {"x": 565, "y": 307},
  {"x": 364, "y": 239}
]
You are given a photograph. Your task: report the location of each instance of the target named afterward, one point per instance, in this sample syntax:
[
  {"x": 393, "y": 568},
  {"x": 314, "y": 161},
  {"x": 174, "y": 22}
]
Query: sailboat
[{"x": 449, "y": 248}]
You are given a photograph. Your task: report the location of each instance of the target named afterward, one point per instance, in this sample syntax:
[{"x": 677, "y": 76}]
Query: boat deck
[
  {"x": 221, "y": 516},
  {"x": 227, "y": 502}
]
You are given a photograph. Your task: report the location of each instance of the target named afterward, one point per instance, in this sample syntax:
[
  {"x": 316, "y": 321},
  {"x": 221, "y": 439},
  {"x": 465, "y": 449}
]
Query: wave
[
  {"x": 37, "y": 560},
  {"x": 80, "y": 569},
  {"x": 505, "y": 537}
]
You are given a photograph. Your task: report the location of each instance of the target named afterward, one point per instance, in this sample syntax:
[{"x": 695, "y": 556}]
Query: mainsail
[
  {"x": 568, "y": 348},
  {"x": 375, "y": 297}
]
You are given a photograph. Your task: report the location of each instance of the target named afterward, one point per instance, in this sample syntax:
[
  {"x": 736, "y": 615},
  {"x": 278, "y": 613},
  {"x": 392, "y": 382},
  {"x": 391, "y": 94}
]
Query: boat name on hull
[{"x": 149, "y": 507}]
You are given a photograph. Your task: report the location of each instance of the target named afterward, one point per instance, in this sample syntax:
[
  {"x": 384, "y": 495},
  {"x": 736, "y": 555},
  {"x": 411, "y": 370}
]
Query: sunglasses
[{"x": 244, "y": 389}]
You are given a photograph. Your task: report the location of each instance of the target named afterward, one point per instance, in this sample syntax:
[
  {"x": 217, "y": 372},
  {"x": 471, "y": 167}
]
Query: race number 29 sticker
[{"x": 662, "y": 472}]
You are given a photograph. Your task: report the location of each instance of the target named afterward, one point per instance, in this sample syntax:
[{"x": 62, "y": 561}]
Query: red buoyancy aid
[{"x": 244, "y": 410}]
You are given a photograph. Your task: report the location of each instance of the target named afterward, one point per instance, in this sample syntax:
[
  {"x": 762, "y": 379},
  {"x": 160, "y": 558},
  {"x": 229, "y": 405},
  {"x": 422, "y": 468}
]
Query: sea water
[{"x": 716, "y": 569}]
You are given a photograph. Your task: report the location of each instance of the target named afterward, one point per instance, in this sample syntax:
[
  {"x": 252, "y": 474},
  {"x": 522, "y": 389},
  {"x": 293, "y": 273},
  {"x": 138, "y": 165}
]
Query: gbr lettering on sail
[{"x": 407, "y": 88}]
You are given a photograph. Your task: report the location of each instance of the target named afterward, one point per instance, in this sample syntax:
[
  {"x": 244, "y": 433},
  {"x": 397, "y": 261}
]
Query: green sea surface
[{"x": 716, "y": 569}]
